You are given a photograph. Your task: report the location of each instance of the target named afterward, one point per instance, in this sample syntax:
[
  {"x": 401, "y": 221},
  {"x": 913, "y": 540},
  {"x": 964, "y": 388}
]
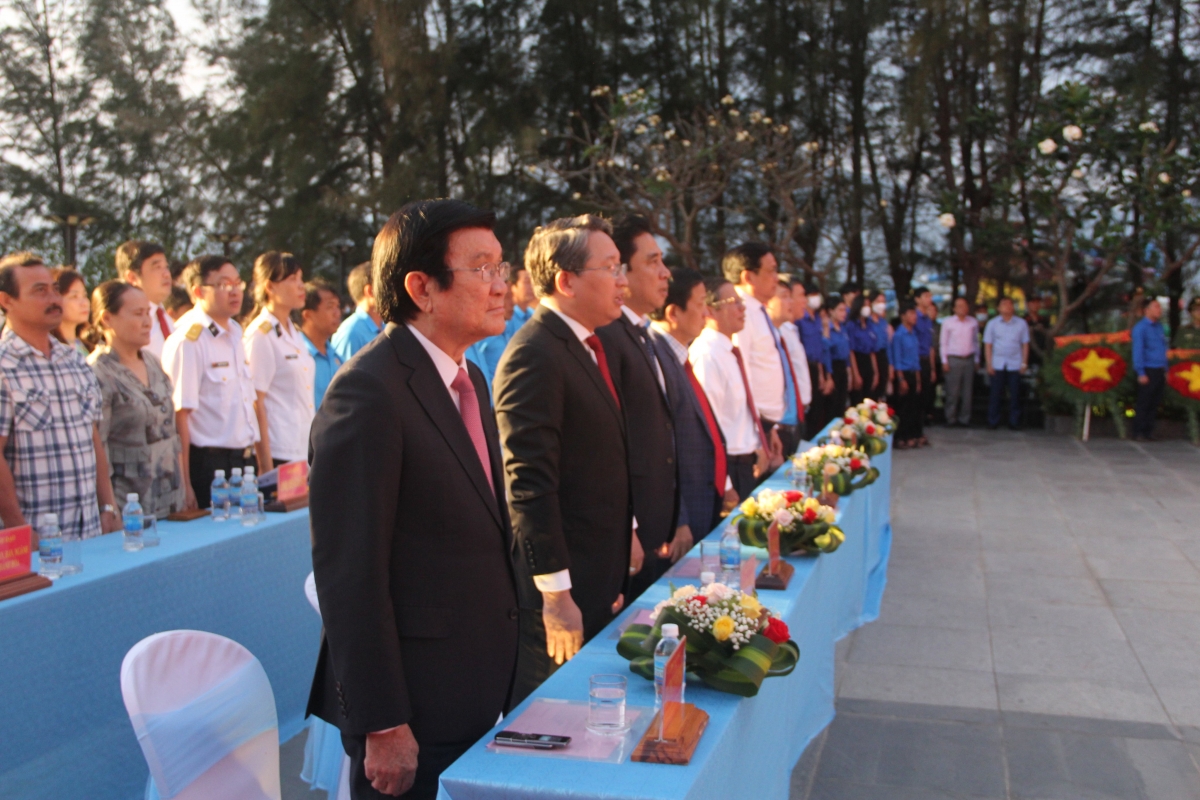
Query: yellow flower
[
  {"x": 832, "y": 469},
  {"x": 822, "y": 541},
  {"x": 723, "y": 628},
  {"x": 750, "y": 603},
  {"x": 750, "y": 507},
  {"x": 811, "y": 503}
]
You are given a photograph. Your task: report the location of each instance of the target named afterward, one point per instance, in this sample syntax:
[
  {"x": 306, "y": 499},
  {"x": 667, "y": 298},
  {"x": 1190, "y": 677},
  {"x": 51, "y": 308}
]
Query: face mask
[
  {"x": 981, "y": 317},
  {"x": 879, "y": 308},
  {"x": 866, "y": 312},
  {"x": 814, "y": 301}
]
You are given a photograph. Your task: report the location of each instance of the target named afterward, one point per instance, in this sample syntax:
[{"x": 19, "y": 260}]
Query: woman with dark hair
[
  {"x": 863, "y": 344},
  {"x": 75, "y": 307},
  {"x": 138, "y": 423},
  {"x": 883, "y": 338},
  {"x": 839, "y": 352},
  {"x": 280, "y": 364}
]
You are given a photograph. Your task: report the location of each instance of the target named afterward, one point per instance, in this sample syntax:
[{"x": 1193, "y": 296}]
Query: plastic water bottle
[
  {"x": 131, "y": 515},
  {"x": 50, "y": 546},
  {"x": 235, "y": 493},
  {"x": 731, "y": 558},
  {"x": 248, "y": 498},
  {"x": 220, "y": 496},
  {"x": 662, "y": 654}
]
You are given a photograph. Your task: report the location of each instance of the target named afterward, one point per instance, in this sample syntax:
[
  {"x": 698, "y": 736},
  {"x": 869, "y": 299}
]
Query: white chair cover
[
  {"x": 325, "y": 760},
  {"x": 204, "y": 714}
]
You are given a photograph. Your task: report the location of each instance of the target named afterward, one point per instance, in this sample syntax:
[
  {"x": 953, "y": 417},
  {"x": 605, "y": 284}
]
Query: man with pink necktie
[{"x": 411, "y": 537}]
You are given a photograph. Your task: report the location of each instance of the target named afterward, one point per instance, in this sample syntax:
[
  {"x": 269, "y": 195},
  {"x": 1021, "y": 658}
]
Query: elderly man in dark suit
[
  {"x": 640, "y": 381},
  {"x": 412, "y": 546},
  {"x": 704, "y": 483},
  {"x": 563, "y": 431}
]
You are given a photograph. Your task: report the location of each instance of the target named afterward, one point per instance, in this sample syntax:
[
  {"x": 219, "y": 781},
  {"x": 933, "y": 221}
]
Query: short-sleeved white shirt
[
  {"x": 283, "y": 370},
  {"x": 208, "y": 367}
]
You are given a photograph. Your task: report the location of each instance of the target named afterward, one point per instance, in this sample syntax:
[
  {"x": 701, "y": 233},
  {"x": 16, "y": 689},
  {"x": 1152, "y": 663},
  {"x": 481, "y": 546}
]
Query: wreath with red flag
[
  {"x": 1094, "y": 369},
  {"x": 1183, "y": 380}
]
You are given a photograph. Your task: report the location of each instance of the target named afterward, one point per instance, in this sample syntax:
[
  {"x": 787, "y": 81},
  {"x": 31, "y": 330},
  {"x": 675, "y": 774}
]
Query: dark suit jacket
[
  {"x": 565, "y": 465},
  {"x": 651, "y": 434},
  {"x": 694, "y": 450},
  {"x": 412, "y": 553}
]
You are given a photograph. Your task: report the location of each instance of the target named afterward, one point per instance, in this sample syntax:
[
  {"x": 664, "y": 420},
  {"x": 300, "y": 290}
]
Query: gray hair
[{"x": 560, "y": 246}]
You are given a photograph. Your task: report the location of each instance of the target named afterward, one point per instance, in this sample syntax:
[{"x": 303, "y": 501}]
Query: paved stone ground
[{"x": 1040, "y": 632}]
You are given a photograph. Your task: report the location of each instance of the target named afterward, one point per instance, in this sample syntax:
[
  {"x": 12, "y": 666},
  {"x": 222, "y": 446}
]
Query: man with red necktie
[
  {"x": 144, "y": 264},
  {"x": 412, "y": 546},
  {"x": 563, "y": 430}
]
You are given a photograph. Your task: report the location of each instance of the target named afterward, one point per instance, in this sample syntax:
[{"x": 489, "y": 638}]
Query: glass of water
[
  {"x": 710, "y": 556},
  {"x": 150, "y": 531},
  {"x": 606, "y": 704}
]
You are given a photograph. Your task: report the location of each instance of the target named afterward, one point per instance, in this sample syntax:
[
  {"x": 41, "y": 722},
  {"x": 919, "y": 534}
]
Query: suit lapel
[
  {"x": 433, "y": 396},
  {"x": 679, "y": 380},
  {"x": 581, "y": 353},
  {"x": 632, "y": 332}
]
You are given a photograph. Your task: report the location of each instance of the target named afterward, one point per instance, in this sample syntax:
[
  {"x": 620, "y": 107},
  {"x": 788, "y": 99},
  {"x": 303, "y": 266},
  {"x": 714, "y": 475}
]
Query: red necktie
[
  {"x": 720, "y": 468},
  {"x": 795, "y": 383},
  {"x": 762, "y": 434},
  {"x": 468, "y": 407},
  {"x": 162, "y": 322},
  {"x": 593, "y": 342}
]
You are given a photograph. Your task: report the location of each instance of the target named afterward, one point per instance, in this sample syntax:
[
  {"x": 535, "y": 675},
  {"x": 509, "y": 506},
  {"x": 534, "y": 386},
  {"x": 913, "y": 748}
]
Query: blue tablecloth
[
  {"x": 64, "y": 732},
  {"x": 751, "y": 744}
]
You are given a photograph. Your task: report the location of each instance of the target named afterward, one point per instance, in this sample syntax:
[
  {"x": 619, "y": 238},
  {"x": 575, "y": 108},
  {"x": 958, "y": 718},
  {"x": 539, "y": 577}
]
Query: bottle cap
[
  {"x": 670, "y": 630},
  {"x": 708, "y": 577},
  {"x": 219, "y": 474},
  {"x": 131, "y": 497},
  {"x": 249, "y": 470},
  {"x": 49, "y": 520},
  {"x": 236, "y": 471}
]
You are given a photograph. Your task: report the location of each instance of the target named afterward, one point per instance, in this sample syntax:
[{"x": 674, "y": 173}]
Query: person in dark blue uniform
[
  {"x": 905, "y": 357},
  {"x": 863, "y": 344},
  {"x": 1150, "y": 364},
  {"x": 883, "y": 338},
  {"x": 839, "y": 356}
]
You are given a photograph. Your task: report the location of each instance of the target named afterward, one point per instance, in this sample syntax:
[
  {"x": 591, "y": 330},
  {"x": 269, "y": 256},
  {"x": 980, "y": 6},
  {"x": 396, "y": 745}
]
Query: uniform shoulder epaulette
[
  {"x": 264, "y": 327},
  {"x": 194, "y": 332}
]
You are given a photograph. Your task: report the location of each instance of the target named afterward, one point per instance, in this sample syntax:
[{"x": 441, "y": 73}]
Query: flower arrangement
[
  {"x": 733, "y": 641},
  {"x": 866, "y": 426},
  {"x": 838, "y": 469},
  {"x": 805, "y": 525}
]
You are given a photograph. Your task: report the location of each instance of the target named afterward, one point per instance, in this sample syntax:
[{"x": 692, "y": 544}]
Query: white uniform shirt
[
  {"x": 157, "y": 339},
  {"x": 764, "y": 367},
  {"x": 208, "y": 367},
  {"x": 791, "y": 334},
  {"x": 717, "y": 370},
  {"x": 283, "y": 370}
]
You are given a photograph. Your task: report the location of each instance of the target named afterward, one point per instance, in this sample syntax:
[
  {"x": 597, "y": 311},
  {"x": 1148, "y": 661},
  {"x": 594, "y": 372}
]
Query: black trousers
[
  {"x": 928, "y": 387},
  {"x": 204, "y": 461},
  {"x": 1149, "y": 397},
  {"x": 789, "y": 435},
  {"x": 818, "y": 414},
  {"x": 841, "y": 388},
  {"x": 908, "y": 406},
  {"x": 432, "y": 761},
  {"x": 867, "y": 373},
  {"x": 741, "y": 475},
  {"x": 881, "y": 360}
]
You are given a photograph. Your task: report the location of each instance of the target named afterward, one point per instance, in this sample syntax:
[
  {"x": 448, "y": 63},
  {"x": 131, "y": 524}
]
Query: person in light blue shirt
[
  {"x": 318, "y": 320},
  {"x": 525, "y": 300},
  {"x": 357, "y": 331},
  {"x": 904, "y": 355},
  {"x": 1150, "y": 364},
  {"x": 1006, "y": 353},
  {"x": 486, "y": 353}
]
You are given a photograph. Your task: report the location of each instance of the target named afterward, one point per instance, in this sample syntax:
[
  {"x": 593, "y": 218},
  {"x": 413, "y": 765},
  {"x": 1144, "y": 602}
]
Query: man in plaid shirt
[{"x": 53, "y": 458}]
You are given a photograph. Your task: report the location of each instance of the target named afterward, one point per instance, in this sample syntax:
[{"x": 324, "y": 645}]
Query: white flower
[
  {"x": 599, "y": 91},
  {"x": 662, "y": 175},
  {"x": 743, "y": 136},
  {"x": 685, "y": 142},
  {"x": 947, "y": 220},
  {"x": 784, "y": 518},
  {"x": 717, "y": 591},
  {"x": 684, "y": 592},
  {"x": 640, "y": 129},
  {"x": 1047, "y": 146},
  {"x": 756, "y": 117},
  {"x": 733, "y": 112},
  {"x": 545, "y": 132},
  {"x": 883, "y": 203},
  {"x": 1148, "y": 127},
  {"x": 669, "y": 133},
  {"x": 811, "y": 147},
  {"x": 762, "y": 227},
  {"x": 847, "y": 431},
  {"x": 653, "y": 120},
  {"x": 1164, "y": 177},
  {"x": 576, "y": 195},
  {"x": 766, "y": 120},
  {"x": 1186, "y": 193},
  {"x": 727, "y": 100},
  {"x": 1072, "y": 133}
]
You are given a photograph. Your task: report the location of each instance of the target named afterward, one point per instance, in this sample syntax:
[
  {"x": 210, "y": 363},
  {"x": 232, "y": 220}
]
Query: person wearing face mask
[
  {"x": 863, "y": 345},
  {"x": 280, "y": 364},
  {"x": 806, "y": 302},
  {"x": 138, "y": 422},
  {"x": 959, "y": 346},
  {"x": 839, "y": 354},
  {"x": 883, "y": 337}
]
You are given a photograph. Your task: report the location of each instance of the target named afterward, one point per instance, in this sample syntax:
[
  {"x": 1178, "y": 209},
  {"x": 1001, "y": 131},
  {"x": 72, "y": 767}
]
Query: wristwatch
[{"x": 107, "y": 508}]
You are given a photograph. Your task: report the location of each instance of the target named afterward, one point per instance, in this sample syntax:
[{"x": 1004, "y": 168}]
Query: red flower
[
  {"x": 792, "y": 497},
  {"x": 699, "y": 599},
  {"x": 891, "y": 411},
  {"x": 848, "y": 420},
  {"x": 870, "y": 430},
  {"x": 810, "y": 515},
  {"x": 855, "y": 463},
  {"x": 777, "y": 630}
]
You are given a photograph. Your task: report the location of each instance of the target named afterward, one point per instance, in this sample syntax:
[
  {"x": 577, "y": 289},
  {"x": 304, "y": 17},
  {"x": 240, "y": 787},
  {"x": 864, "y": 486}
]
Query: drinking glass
[
  {"x": 72, "y": 561},
  {"x": 606, "y": 704},
  {"x": 710, "y": 556},
  {"x": 150, "y": 531}
]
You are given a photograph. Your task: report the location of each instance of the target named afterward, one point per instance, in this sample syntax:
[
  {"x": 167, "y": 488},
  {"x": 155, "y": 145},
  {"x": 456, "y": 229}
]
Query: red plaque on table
[
  {"x": 777, "y": 573},
  {"x": 675, "y": 731},
  {"x": 16, "y": 553},
  {"x": 292, "y": 491}
]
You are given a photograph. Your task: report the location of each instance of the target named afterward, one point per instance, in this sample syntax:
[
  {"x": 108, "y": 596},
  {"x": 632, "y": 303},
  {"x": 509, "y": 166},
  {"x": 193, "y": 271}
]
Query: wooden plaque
[
  {"x": 284, "y": 506},
  {"x": 188, "y": 516},
  {"x": 22, "y": 584},
  {"x": 775, "y": 576},
  {"x": 684, "y": 736}
]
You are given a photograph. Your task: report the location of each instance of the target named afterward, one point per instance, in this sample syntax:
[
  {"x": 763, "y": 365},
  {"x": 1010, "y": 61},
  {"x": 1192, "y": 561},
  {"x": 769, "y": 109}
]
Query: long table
[
  {"x": 751, "y": 744},
  {"x": 64, "y": 732}
]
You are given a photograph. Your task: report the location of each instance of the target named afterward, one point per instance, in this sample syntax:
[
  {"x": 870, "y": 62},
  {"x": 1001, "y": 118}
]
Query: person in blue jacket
[
  {"x": 486, "y": 353},
  {"x": 905, "y": 358},
  {"x": 863, "y": 345},
  {"x": 1150, "y": 364},
  {"x": 839, "y": 354}
]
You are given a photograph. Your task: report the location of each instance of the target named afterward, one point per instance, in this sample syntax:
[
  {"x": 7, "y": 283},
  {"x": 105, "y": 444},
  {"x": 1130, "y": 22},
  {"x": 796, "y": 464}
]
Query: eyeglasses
[
  {"x": 616, "y": 270},
  {"x": 227, "y": 286},
  {"x": 489, "y": 272},
  {"x": 736, "y": 300}
]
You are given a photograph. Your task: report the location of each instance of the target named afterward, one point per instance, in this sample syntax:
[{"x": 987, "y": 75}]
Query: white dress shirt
[
  {"x": 157, "y": 340},
  {"x": 447, "y": 369},
  {"x": 207, "y": 365},
  {"x": 716, "y": 368},
  {"x": 284, "y": 371},
  {"x": 643, "y": 322},
  {"x": 791, "y": 334},
  {"x": 764, "y": 367},
  {"x": 959, "y": 337}
]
